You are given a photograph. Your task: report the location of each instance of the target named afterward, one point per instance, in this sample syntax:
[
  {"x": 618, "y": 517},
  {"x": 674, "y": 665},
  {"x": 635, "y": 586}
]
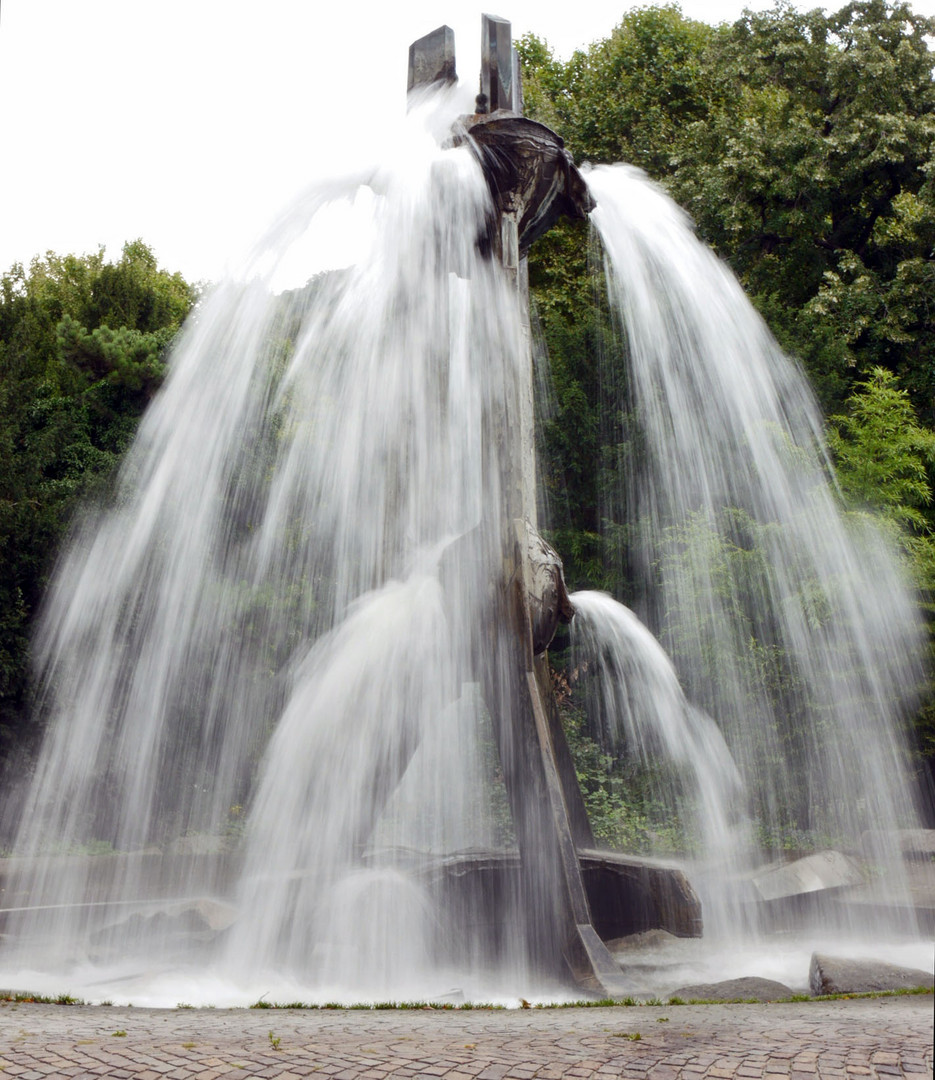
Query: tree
[
  {"x": 814, "y": 176},
  {"x": 82, "y": 350},
  {"x": 883, "y": 458},
  {"x": 629, "y": 97},
  {"x": 803, "y": 144}
]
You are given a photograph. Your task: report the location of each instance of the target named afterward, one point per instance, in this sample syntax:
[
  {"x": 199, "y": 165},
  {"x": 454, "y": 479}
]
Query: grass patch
[
  {"x": 799, "y": 999},
  {"x": 727, "y": 1001},
  {"x": 582, "y": 1003},
  {"x": 911, "y": 991},
  {"x": 27, "y": 998}
]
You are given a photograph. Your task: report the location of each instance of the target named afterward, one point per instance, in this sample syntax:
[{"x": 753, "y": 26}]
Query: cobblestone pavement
[{"x": 882, "y": 1037}]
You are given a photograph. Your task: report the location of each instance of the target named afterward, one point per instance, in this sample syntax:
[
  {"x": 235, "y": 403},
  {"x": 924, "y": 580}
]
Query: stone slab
[
  {"x": 911, "y": 844},
  {"x": 820, "y": 871},
  {"x": 840, "y": 975},
  {"x": 496, "y": 80},
  {"x": 746, "y": 988}
]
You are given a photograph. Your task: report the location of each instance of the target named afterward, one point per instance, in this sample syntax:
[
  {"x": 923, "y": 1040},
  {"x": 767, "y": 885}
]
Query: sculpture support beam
[{"x": 532, "y": 181}]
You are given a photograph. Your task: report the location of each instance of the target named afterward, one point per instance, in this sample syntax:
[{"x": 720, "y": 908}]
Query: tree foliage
[
  {"x": 629, "y": 97},
  {"x": 803, "y": 145},
  {"x": 82, "y": 351},
  {"x": 884, "y": 458}
]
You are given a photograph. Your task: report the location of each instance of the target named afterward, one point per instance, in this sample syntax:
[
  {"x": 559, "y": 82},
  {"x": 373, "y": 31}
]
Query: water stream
[
  {"x": 637, "y": 710},
  {"x": 269, "y": 641},
  {"x": 788, "y": 620}
]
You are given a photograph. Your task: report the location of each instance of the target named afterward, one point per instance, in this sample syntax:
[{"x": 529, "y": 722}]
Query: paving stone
[
  {"x": 835, "y": 1040},
  {"x": 884, "y": 1057}
]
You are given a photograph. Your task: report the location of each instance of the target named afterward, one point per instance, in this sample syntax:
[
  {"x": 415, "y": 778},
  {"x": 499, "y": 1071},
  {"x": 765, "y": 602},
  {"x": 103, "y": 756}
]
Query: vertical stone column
[
  {"x": 432, "y": 59},
  {"x": 497, "y": 64},
  {"x": 541, "y": 782}
]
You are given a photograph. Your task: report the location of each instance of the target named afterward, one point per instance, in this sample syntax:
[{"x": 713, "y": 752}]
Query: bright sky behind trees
[{"x": 188, "y": 123}]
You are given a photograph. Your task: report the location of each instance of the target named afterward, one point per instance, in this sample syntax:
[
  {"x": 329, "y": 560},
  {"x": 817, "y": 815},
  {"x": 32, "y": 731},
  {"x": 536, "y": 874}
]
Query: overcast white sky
[{"x": 189, "y": 122}]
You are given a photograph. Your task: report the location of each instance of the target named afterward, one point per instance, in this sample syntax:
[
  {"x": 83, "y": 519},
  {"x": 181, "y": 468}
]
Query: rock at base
[
  {"x": 748, "y": 988},
  {"x": 629, "y": 894},
  {"x": 819, "y": 872},
  {"x": 836, "y": 975},
  {"x": 192, "y": 920},
  {"x": 645, "y": 939}
]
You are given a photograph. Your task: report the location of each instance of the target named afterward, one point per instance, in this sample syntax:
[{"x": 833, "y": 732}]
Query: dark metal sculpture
[{"x": 531, "y": 175}]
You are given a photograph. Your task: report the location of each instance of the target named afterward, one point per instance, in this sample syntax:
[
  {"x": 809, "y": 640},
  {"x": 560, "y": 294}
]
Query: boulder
[
  {"x": 547, "y": 595},
  {"x": 645, "y": 939},
  {"x": 838, "y": 975},
  {"x": 629, "y": 894},
  {"x": 748, "y": 988},
  {"x": 196, "y": 920},
  {"x": 818, "y": 872}
]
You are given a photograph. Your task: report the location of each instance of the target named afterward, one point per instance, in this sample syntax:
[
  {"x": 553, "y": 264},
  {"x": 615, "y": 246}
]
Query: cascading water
[
  {"x": 638, "y": 710},
  {"x": 788, "y": 620},
  {"x": 289, "y": 607},
  {"x": 281, "y": 543}
]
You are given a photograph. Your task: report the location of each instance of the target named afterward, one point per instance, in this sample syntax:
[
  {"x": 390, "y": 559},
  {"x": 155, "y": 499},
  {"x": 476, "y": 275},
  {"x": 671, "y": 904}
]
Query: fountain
[{"x": 296, "y": 673}]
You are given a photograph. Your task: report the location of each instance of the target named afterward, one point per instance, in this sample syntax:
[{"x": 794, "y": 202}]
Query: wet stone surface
[{"x": 880, "y": 1037}]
